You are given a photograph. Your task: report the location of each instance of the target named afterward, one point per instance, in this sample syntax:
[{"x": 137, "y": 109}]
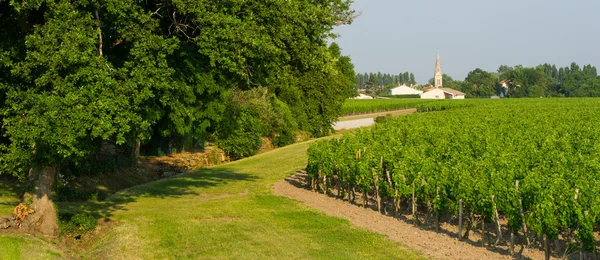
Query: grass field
[
  {"x": 225, "y": 212},
  {"x": 20, "y": 247},
  {"x": 9, "y": 195}
]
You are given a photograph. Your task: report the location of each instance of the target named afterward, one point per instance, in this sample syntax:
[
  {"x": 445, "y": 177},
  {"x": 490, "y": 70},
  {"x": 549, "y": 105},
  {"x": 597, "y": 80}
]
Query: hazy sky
[{"x": 394, "y": 36}]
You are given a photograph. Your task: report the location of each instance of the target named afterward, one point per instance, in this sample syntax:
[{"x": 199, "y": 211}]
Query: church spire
[{"x": 438, "y": 72}]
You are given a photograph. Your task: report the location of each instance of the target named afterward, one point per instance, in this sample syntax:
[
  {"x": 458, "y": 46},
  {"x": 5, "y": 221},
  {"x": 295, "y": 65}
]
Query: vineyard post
[
  {"x": 483, "y": 231},
  {"x": 460, "y": 216},
  {"x": 522, "y": 215},
  {"x": 325, "y": 187},
  {"x": 414, "y": 216},
  {"x": 338, "y": 182},
  {"x": 339, "y": 187},
  {"x": 581, "y": 256},
  {"x": 387, "y": 173},
  {"x": 375, "y": 182},
  {"x": 349, "y": 192},
  {"x": 397, "y": 202},
  {"x": 557, "y": 248},
  {"x": 498, "y": 228},
  {"x": 512, "y": 243},
  {"x": 318, "y": 179},
  {"x": 437, "y": 214},
  {"x": 546, "y": 247}
]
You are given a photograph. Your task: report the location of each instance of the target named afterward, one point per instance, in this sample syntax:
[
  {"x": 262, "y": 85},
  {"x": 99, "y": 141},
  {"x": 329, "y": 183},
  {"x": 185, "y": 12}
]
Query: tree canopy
[{"x": 77, "y": 75}]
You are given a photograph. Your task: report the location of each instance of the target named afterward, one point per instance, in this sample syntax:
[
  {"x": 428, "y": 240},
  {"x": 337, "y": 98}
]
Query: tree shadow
[
  {"x": 181, "y": 185},
  {"x": 9, "y": 186}
]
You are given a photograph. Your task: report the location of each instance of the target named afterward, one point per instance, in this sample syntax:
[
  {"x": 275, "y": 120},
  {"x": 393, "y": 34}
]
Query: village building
[
  {"x": 362, "y": 96},
  {"x": 443, "y": 93},
  {"x": 404, "y": 90},
  {"x": 438, "y": 91}
]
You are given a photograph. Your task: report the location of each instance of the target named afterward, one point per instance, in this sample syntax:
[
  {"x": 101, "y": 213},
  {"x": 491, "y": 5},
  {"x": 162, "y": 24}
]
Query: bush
[
  {"x": 380, "y": 119},
  {"x": 77, "y": 224},
  {"x": 245, "y": 139}
]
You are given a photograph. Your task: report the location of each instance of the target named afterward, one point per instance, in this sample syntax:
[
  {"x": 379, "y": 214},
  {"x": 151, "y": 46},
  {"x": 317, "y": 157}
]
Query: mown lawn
[
  {"x": 10, "y": 191},
  {"x": 22, "y": 247},
  {"x": 226, "y": 212}
]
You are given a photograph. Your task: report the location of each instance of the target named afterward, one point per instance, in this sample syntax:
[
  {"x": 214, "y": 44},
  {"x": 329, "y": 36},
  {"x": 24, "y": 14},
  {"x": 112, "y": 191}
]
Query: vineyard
[
  {"x": 358, "y": 106},
  {"x": 529, "y": 168}
]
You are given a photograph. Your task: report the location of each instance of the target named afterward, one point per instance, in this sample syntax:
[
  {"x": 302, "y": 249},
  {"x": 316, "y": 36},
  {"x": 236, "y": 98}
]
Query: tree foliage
[{"x": 78, "y": 75}]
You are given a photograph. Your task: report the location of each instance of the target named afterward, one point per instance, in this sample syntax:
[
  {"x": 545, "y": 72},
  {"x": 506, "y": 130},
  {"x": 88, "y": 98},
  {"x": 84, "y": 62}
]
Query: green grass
[
  {"x": 19, "y": 247},
  {"x": 229, "y": 212},
  {"x": 10, "y": 190}
]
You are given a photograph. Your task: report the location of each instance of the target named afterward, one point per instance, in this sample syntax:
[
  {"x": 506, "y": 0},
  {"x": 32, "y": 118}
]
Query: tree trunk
[
  {"x": 43, "y": 220},
  {"x": 136, "y": 149}
]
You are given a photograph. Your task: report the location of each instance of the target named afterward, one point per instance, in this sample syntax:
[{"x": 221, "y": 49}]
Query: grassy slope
[
  {"x": 229, "y": 212},
  {"x": 9, "y": 195},
  {"x": 21, "y": 247}
]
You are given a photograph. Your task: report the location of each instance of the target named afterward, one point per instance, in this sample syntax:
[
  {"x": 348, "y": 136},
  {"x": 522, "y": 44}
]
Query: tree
[
  {"x": 526, "y": 82},
  {"x": 481, "y": 83},
  {"x": 76, "y": 75}
]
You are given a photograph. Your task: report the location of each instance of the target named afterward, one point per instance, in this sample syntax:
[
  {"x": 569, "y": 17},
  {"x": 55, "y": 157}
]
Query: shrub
[
  {"x": 380, "y": 119},
  {"x": 77, "y": 224},
  {"x": 244, "y": 140}
]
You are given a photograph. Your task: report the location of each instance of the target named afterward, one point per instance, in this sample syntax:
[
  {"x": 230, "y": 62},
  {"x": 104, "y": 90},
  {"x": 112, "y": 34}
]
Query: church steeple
[{"x": 438, "y": 72}]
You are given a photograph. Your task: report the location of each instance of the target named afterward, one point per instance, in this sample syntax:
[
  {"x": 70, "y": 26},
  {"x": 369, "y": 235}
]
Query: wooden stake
[
  {"x": 498, "y": 228},
  {"x": 437, "y": 214},
  {"x": 546, "y": 247},
  {"x": 414, "y": 216},
  {"x": 483, "y": 234},
  {"x": 325, "y": 188},
  {"x": 512, "y": 244},
  {"x": 397, "y": 203},
  {"x": 522, "y": 215},
  {"x": 376, "y": 183},
  {"x": 460, "y": 217}
]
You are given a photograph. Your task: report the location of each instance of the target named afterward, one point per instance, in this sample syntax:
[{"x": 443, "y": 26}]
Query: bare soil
[{"x": 421, "y": 236}]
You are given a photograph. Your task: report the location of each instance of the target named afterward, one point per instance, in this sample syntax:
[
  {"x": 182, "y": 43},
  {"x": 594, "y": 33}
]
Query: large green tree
[
  {"x": 78, "y": 75},
  {"x": 480, "y": 83}
]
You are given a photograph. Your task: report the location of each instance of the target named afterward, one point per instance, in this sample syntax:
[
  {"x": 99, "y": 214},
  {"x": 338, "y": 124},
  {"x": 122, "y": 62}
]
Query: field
[
  {"x": 451, "y": 153},
  {"x": 534, "y": 162}
]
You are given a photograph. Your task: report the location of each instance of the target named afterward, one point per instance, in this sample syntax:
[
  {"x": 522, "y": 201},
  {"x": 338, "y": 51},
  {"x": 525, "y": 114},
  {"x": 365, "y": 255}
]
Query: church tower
[{"x": 438, "y": 72}]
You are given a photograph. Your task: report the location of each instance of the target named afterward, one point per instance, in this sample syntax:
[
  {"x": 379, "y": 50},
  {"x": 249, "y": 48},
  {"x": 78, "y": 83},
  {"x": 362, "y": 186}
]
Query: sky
[{"x": 393, "y": 36}]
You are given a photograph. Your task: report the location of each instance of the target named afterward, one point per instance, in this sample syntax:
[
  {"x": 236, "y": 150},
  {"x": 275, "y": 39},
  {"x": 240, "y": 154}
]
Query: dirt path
[
  {"x": 351, "y": 124},
  {"x": 435, "y": 245}
]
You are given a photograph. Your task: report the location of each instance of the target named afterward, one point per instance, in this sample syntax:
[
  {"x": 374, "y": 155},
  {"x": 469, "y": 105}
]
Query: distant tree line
[
  {"x": 378, "y": 83},
  {"x": 544, "y": 80}
]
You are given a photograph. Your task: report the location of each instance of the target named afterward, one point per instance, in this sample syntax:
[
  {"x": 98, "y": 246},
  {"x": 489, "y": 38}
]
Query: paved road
[{"x": 354, "y": 123}]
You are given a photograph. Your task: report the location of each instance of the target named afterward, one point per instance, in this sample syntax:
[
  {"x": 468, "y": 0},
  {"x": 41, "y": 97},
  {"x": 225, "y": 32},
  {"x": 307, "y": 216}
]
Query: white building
[
  {"x": 443, "y": 93},
  {"x": 404, "y": 90},
  {"x": 362, "y": 96}
]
